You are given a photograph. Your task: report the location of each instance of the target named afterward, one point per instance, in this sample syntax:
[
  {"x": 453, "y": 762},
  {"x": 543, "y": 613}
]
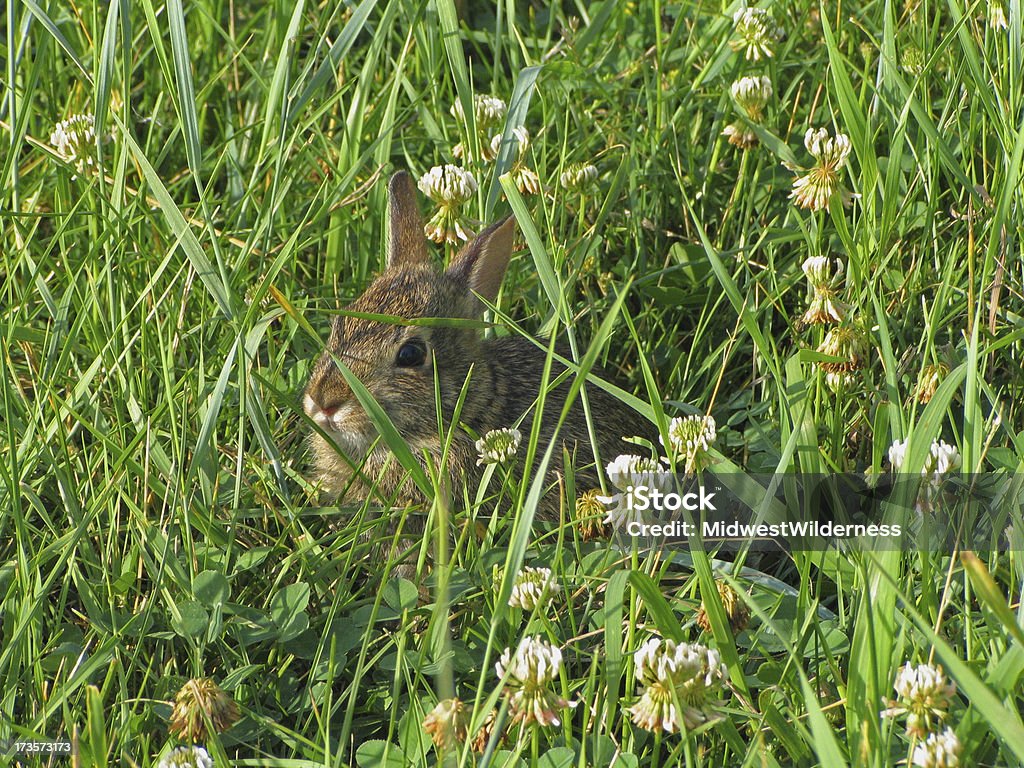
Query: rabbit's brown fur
[{"x": 504, "y": 373}]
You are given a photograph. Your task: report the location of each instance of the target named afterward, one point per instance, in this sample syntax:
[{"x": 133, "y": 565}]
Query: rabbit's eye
[{"x": 411, "y": 354}]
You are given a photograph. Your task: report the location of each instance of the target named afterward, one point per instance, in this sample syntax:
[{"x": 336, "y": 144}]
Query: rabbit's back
[{"x": 508, "y": 391}]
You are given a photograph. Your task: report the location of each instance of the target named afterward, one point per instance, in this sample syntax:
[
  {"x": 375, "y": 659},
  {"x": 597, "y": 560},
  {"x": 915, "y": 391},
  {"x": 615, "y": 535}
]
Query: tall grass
[{"x": 161, "y": 310}]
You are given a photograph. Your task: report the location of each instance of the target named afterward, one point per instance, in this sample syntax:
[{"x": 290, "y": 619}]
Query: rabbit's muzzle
[
  {"x": 346, "y": 424},
  {"x": 329, "y": 403},
  {"x": 330, "y": 418}
]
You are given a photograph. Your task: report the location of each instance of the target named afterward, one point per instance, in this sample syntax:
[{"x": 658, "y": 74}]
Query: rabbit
[{"x": 398, "y": 364}]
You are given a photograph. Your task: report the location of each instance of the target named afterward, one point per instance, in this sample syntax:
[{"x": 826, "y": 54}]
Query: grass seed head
[{"x": 928, "y": 383}]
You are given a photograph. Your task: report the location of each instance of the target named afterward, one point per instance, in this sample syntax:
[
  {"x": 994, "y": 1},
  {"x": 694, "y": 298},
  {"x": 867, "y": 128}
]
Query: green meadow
[{"x": 803, "y": 221}]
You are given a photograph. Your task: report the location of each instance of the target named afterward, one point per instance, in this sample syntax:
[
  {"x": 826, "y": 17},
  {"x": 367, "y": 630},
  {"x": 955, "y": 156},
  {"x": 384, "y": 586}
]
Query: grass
[{"x": 158, "y": 518}]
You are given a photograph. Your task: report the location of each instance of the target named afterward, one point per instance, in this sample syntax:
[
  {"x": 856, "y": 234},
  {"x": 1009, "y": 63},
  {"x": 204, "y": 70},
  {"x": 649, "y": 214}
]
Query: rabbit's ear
[
  {"x": 482, "y": 263},
  {"x": 407, "y": 245}
]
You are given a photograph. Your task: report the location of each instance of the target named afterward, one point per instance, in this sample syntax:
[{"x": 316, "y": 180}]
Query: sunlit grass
[{"x": 162, "y": 307}]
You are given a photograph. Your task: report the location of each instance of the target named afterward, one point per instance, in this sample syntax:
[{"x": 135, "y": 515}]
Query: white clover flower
[
  {"x": 498, "y": 446},
  {"x": 752, "y": 94},
  {"x": 618, "y": 512},
  {"x": 755, "y": 34},
  {"x": 942, "y": 459},
  {"x": 690, "y": 438},
  {"x": 912, "y": 60},
  {"x": 818, "y": 270},
  {"x": 578, "y": 176},
  {"x": 825, "y": 149},
  {"x": 824, "y": 307},
  {"x": 535, "y": 662},
  {"x": 530, "y": 670},
  {"x": 939, "y": 750},
  {"x": 459, "y": 152},
  {"x": 923, "y": 695},
  {"x": 629, "y": 464},
  {"x": 519, "y": 135},
  {"x": 740, "y": 136},
  {"x": 449, "y": 186},
  {"x": 445, "y": 227},
  {"x": 74, "y": 140},
  {"x": 847, "y": 343},
  {"x": 840, "y": 381},
  {"x": 924, "y": 684},
  {"x": 690, "y": 674},
  {"x": 815, "y": 188},
  {"x": 447, "y": 723},
  {"x": 533, "y": 585},
  {"x": 526, "y": 179},
  {"x": 736, "y": 611},
  {"x": 488, "y": 111},
  {"x": 898, "y": 454},
  {"x": 628, "y": 469},
  {"x": 187, "y": 757}
]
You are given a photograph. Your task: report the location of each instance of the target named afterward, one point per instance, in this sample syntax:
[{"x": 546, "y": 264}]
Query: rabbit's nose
[{"x": 317, "y": 410}]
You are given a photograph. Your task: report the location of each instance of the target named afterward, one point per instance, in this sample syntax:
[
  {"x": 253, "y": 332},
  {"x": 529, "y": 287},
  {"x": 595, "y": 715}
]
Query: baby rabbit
[{"x": 398, "y": 365}]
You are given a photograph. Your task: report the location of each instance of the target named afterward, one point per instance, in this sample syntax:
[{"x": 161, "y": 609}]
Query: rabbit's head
[{"x": 397, "y": 360}]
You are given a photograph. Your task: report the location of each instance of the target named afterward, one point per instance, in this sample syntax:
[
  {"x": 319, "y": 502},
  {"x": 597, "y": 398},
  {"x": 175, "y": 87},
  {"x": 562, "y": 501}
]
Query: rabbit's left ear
[
  {"x": 481, "y": 264},
  {"x": 407, "y": 245}
]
